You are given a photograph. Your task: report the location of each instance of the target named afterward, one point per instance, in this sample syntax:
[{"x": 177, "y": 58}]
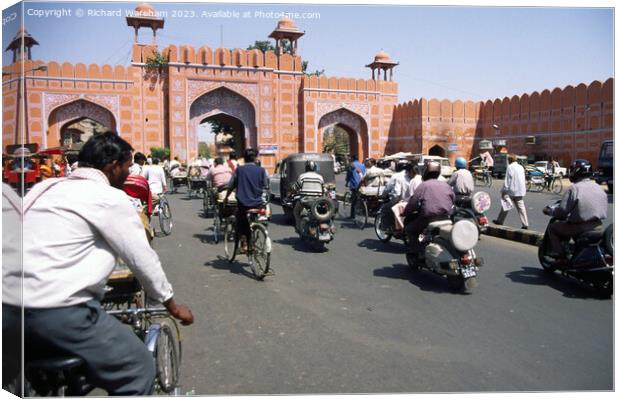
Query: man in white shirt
[
  {"x": 139, "y": 159},
  {"x": 157, "y": 179},
  {"x": 514, "y": 189},
  {"x": 402, "y": 192},
  {"x": 313, "y": 186},
  {"x": 64, "y": 273}
]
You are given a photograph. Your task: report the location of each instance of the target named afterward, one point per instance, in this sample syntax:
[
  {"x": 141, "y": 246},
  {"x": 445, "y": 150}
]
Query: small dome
[
  {"x": 145, "y": 9},
  {"x": 382, "y": 56},
  {"x": 286, "y": 23}
]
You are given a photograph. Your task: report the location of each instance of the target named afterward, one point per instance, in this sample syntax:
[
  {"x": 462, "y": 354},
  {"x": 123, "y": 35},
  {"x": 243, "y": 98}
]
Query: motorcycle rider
[
  {"x": 433, "y": 200},
  {"x": 583, "y": 207},
  {"x": 313, "y": 186},
  {"x": 401, "y": 191},
  {"x": 461, "y": 181},
  {"x": 64, "y": 273}
]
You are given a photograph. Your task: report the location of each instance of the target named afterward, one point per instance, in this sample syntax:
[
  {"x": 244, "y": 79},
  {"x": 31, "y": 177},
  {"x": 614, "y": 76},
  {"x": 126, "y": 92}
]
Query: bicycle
[
  {"x": 540, "y": 182},
  {"x": 259, "y": 247},
  {"x": 65, "y": 375},
  {"x": 164, "y": 214},
  {"x": 482, "y": 177}
]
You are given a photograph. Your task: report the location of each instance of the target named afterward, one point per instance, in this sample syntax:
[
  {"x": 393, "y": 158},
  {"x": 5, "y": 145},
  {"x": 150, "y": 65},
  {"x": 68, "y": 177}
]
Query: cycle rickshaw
[{"x": 197, "y": 183}]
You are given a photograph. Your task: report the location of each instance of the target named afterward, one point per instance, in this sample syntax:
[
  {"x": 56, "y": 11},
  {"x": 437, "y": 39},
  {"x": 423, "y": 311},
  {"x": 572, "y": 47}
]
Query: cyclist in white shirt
[
  {"x": 65, "y": 273},
  {"x": 157, "y": 180}
]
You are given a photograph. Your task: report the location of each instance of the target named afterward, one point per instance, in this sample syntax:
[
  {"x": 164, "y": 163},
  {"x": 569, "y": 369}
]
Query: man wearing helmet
[
  {"x": 432, "y": 200},
  {"x": 583, "y": 207},
  {"x": 461, "y": 181},
  {"x": 313, "y": 186}
]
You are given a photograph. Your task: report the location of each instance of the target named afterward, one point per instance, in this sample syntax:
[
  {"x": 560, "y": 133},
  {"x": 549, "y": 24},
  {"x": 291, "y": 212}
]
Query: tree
[
  {"x": 265, "y": 45},
  {"x": 336, "y": 140},
  {"x": 204, "y": 150},
  {"x": 160, "y": 153}
]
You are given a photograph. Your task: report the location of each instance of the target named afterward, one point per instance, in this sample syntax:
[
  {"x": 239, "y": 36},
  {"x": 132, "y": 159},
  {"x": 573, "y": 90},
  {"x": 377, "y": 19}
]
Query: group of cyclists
[{"x": 64, "y": 274}]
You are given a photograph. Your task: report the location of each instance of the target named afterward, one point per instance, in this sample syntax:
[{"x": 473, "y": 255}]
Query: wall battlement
[{"x": 349, "y": 84}]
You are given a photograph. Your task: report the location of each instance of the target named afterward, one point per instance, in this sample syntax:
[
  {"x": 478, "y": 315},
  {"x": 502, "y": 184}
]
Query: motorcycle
[
  {"x": 473, "y": 207},
  {"x": 384, "y": 222},
  {"x": 316, "y": 224},
  {"x": 449, "y": 251},
  {"x": 590, "y": 256}
]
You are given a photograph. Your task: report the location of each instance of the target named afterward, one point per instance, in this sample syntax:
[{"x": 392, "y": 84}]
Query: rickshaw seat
[{"x": 138, "y": 187}]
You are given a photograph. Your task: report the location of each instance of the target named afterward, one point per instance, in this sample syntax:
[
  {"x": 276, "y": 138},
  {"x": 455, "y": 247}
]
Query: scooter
[
  {"x": 590, "y": 254},
  {"x": 473, "y": 207},
  {"x": 449, "y": 251}
]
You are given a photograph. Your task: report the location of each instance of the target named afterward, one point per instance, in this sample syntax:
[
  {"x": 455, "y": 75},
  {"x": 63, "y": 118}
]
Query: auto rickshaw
[{"x": 290, "y": 168}]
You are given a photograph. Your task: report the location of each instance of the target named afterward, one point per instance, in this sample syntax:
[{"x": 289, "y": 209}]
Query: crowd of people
[{"x": 62, "y": 301}]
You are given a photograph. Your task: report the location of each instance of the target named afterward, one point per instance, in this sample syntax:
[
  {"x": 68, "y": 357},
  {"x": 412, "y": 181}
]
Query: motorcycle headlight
[{"x": 480, "y": 202}]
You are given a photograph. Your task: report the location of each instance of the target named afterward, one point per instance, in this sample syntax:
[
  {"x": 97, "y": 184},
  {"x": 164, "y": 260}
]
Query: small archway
[
  {"x": 437, "y": 150},
  {"x": 349, "y": 122},
  {"x": 228, "y": 108},
  {"x": 79, "y": 131},
  {"x": 222, "y": 133},
  {"x": 78, "y": 119}
]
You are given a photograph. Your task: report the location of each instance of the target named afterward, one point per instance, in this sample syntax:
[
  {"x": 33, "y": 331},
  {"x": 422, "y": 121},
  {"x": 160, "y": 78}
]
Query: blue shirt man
[{"x": 354, "y": 173}]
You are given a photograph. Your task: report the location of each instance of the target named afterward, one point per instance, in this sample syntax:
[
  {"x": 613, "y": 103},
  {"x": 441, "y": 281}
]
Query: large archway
[
  {"x": 77, "y": 120},
  {"x": 226, "y": 107},
  {"x": 351, "y": 123}
]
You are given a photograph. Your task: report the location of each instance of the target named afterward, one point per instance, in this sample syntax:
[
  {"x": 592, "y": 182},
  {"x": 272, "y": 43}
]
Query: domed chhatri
[
  {"x": 382, "y": 56},
  {"x": 22, "y": 37},
  {"x": 145, "y": 9},
  {"x": 145, "y": 16},
  {"x": 286, "y": 30},
  {"x": 287, "y": 24},
  {"x": 384, "y": 63}
]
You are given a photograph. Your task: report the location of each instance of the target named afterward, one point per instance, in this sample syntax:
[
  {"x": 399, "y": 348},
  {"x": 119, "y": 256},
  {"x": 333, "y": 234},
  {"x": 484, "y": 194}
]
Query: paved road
[{"x": 356, "y": 319}]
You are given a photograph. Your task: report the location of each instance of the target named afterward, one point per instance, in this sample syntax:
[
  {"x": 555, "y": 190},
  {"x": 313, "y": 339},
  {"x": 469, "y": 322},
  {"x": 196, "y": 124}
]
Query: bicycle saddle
[{"x": 55, "y": 363}]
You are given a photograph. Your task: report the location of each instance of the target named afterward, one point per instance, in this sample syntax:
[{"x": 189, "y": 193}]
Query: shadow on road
[
  {"x": 299, "y": 245},
  {"x": 221, "y": 263},
  {"x": 378, "y": 246},
  {"x": 424, "y": 280},
  {"x": 569, "y": 287},
  {"x": 204, "y": 237},
  {"x": 280, "y": 219}
]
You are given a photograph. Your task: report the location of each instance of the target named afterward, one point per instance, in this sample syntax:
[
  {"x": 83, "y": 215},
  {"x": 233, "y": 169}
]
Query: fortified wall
[
  {"x": 276, "y": 108},
  {"x": 566, "y": 124}
]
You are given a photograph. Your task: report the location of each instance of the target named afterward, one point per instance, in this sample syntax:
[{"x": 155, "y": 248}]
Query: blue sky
[{"x": 453, "y": 52}]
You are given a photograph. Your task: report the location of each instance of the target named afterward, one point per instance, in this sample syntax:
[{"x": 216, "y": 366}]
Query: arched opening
[
  {"x": 228, "y": 113},
  {"x": 220, "y": 135},
  {"x": 74, "y": 134},
  {"x": 437, "y": 150},
  {"x": 75, "y": 122},
  {"x": 344, "y": 122},
  {"x": 338, "y": 140}
]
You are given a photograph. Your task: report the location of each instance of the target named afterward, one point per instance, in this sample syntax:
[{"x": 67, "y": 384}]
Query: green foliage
[
  {"x": 156, "y": 60},
  {"x": 160, "y": 153},
  {"x": 204, "y": 150},
  {"x": 336, "y": 140},
  {"x": 262, "y": 45},
  {"x": 265, "y": 45}
]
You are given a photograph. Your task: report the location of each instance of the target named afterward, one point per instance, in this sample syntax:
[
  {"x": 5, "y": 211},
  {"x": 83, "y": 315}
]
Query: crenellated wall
[{"x": 567, "y": 123}]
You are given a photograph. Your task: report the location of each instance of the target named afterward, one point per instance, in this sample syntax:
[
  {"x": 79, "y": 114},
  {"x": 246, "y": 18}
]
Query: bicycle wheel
[
  {"x": 217, "y": 225},
  {"x": 165, "y": 216},
  {"x": 478, "y": 180},
  {"x": 488, "y": 181},
  {"x": 344, "y": 208},
  {"x": 556, "y": 185},
  {"x": 361, "y": 213},
  {"x": 260, "y": 255},
  {"x": 167, "y": 357},
  {"x": 230, "y": 239},
  {"x": 528, "y": 186}
]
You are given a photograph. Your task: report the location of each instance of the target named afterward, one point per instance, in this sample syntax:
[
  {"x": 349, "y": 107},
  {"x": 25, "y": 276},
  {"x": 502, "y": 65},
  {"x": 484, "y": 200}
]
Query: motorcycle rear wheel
[
  {"x": 545, "y": 261},
  {"x": 382, "y": 235},
  {"x": 456, "y": 283},
  {"x": 412, "y": 261}
]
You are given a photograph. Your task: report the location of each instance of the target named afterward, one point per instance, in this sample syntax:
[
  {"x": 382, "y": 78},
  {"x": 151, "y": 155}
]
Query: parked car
[
  {"x": 446, "y": 168},
  {"x": 605, "y": 172},
  {"x": 542, "y": 166}
]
